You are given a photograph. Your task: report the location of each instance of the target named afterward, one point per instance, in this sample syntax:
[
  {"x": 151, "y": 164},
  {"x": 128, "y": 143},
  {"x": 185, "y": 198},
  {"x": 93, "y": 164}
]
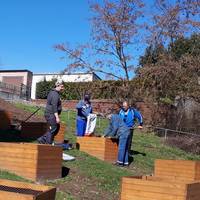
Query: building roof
[
  {"x": 57, "y": 73},
  {"x": 47, "y": 73},
  {"x": 16, "y": 70},
  {"x": 96, "y": 76}
]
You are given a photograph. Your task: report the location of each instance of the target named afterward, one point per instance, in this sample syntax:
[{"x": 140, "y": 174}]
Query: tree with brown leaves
[
  {"x": 174, "y": 19},
  {"x": 114, "y": 27}
]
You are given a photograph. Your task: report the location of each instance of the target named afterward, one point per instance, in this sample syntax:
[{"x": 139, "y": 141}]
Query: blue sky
[{"x": 30, "y": 29}]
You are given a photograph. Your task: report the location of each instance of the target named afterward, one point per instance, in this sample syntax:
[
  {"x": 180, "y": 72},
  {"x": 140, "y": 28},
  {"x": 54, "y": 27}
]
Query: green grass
[
  {"x": 63, "y": 196},
  {"x": 11, "y": 176},
  {"x": 106, "y": 177},
  {"x": 154, "y": 148}
]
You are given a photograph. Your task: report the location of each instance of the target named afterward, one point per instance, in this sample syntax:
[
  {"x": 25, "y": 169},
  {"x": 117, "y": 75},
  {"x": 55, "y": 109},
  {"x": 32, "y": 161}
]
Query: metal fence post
[
  {"x": 166, "y": 134},
  {"x": 99, "y": 120}
]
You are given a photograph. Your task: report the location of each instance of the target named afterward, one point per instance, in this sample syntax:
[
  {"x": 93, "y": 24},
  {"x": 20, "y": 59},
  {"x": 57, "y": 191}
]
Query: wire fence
[
  {"x": 160, "y": 131},
  {"x": 166, "y": 132},
  {"x": 102, "y": 122}
]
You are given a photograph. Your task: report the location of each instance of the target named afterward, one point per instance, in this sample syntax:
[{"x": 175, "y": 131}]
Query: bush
[
  {"x": 99, "y": 90},
  {"x": 43, "y": 88}
]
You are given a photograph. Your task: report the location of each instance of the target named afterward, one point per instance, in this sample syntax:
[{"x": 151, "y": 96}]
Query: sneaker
[
  {"x": 126, "y": 164},
  {"x": 40, "y": 141},
  {"x": 67, "y": 157},
  {"x": 118, "y": 164},
  {"x": 70, "y": 146}
]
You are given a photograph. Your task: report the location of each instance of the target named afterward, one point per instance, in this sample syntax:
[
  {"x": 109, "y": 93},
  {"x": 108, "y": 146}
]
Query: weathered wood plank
[
  {"x": 14, "y": 190},
  {"x": 32, "y": 161},
  {"x": 103, "y": 148},
  {"x": 177, "y": 169},
  {"x": 151, "y": 187}
]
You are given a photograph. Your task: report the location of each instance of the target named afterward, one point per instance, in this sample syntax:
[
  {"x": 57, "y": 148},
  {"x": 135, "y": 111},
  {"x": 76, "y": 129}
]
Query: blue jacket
[
  {"x": 130, "y": 116},
  {"x": 83, "y": 110},
  {"x": 117, "y": 127}
]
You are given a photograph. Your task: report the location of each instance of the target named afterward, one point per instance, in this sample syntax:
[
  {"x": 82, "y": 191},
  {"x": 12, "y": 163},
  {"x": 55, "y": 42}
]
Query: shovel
[{"x": 20, "y": 126}]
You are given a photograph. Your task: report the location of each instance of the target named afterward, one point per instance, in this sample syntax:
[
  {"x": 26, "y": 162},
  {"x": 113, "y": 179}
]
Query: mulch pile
[{"x": 18, "y": 115}]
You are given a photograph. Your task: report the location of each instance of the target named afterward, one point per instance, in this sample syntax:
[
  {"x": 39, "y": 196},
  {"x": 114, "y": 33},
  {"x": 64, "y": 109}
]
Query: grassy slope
[{"x": 147, "y": 148}]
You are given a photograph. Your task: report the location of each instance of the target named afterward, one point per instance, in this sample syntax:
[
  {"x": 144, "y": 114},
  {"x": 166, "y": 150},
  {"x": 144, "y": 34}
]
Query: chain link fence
[{"x": 189, "y": 142}]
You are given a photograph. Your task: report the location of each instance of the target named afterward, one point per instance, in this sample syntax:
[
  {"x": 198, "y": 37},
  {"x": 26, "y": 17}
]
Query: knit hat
[{"x": 58, "y": 83}]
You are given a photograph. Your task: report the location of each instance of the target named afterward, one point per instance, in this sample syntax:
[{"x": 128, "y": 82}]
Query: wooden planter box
[
  {"x": 153, "y": 188},
  {"x": 177, "y": 169},
  {"x": 59, "y": 138},
  {"x": 14, "y": 190},
  {"x": 33, "y": 129},
  {"x": 32, "y": 161},
  {"x": 102, "y": 148},
  {"x": 5, "y": 119}
]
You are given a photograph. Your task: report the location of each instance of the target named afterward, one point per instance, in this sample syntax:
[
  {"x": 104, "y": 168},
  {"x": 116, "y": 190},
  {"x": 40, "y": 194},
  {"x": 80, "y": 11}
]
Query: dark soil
[{"x": 18, "y": 115}]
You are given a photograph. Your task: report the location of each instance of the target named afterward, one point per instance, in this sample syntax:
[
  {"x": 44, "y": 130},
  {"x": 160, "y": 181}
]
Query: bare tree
[
  {"x": 174, "y": 19},
  {"x": 114, "y": 27}
]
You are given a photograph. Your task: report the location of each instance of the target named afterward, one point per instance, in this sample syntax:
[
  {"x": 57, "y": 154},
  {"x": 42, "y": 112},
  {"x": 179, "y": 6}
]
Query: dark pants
[
  {"x": 48, "y": 137},
  {"x": 130, "y": 140}
]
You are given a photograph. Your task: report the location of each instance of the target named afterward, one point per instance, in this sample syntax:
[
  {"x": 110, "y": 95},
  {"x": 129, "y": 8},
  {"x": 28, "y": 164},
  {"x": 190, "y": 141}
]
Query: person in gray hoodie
[
  {"x": 52, "y": 112},
  {"x": 118, "y": 129}
]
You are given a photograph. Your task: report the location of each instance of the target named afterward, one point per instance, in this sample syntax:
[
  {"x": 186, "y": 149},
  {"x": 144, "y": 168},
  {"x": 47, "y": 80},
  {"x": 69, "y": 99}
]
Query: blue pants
[
  {"x": 123, "y": 149},
  {"x": 80, "y": 127},
  {"x": 130, "y": 141}
]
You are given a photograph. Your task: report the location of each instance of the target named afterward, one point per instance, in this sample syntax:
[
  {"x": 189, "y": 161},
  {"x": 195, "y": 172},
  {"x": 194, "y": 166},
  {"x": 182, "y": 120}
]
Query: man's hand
[
  {"x": 57, "y": 120},
  {"x": 140, "y": 127}
]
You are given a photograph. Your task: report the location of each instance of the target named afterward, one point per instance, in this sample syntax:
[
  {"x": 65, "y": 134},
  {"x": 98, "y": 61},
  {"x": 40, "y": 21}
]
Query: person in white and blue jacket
[
  {"x": 129, "y": 115},
  {"x": 84, "y": 108},
  {"x": 118, "y": 129}
]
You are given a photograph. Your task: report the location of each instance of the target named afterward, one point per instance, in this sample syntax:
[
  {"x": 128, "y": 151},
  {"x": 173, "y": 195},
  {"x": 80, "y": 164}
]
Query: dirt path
[{"x": 81, "y": 187}]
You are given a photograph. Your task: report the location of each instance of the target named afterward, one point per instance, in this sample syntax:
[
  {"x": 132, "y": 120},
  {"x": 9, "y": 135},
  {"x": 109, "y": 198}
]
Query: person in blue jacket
[
  {"x": 84, "y": 108},
  {"x": 129, "y": 115},
  {"x": 118, "y": 129}
]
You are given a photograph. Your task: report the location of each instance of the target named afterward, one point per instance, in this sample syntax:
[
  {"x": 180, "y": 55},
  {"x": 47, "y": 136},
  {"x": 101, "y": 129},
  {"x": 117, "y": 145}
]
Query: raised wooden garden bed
[
  {"x": 59, "y": 138},
  {"x": 5, "y": 119},
  {"x": 32, "y": 161},
  {"x": 102, "y": 148},
  {"x": 177, "y": 169},
  {"x": 14, "y": 190},
  {"x": 153, "y": 188},
  {"x": 37, "y": 129},
  {"x": 33, "y": 129}
]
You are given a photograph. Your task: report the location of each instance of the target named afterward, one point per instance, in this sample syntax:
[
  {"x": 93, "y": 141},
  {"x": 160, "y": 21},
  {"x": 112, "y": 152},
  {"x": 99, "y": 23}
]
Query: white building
[{"x": 77, "y": 77}]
